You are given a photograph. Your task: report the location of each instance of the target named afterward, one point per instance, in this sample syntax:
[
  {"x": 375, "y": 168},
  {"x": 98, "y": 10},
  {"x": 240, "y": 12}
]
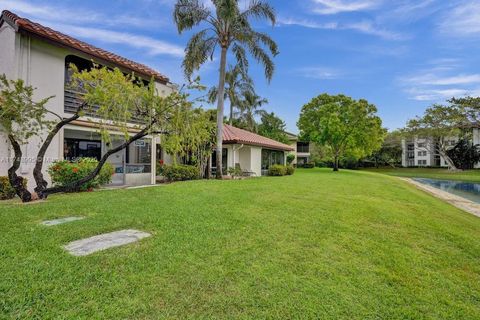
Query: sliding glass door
[{"x": 270, "y": 158}]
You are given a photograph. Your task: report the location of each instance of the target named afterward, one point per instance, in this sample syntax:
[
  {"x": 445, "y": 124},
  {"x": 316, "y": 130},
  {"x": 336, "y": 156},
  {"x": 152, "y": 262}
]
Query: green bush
[
  {"x": 290, "y": 158},
  {"x": 309, "y": 165},
  {"x": 65, "y": 172},
  {"x": 277, "y": 170},
  {"x": 180, "y": 172},
  {"x": 6, "y": 189},
  {"x": 290, "y": 170},
  {"x": 235, "y": 172},
  {"x": 160, "y": 167}
]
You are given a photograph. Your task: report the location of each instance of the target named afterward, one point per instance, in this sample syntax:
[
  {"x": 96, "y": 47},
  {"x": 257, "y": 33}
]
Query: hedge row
[{"x": 280, "y": 170}]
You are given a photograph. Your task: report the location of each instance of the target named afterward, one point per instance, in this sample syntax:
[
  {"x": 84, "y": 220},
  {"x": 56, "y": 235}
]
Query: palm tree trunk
[
  {"x": 220, "y": 105},
  {"x": 230, "y": 121}
]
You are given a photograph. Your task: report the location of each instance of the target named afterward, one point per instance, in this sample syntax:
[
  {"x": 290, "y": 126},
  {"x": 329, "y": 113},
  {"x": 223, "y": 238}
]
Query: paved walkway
[
  {"x": 104, "y": 241},
  {"x": 457, "y": 201}
]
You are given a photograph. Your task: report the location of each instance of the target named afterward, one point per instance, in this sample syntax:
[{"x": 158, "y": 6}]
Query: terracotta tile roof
[
  {"x": 28, "y": 27},
  {"x": 235, "y": 135}
]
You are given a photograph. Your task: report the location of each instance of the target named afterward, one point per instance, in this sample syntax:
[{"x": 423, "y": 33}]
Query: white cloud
[
  {"x": 440, "y": 82},
  {"x": 365, "y": 26},
  {"x": 435, "y": 80},
  {"x": 338, "y": 6},
  {"x": 437, "y": 95},
  {"x": 77, "y": 16},
  {"x": 463, "y": 20},
  {"x": 152, "y": 46},
  {"x": 321, "y": 73}
]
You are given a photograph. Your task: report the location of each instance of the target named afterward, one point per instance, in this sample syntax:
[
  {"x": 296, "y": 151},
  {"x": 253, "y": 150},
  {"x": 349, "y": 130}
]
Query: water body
[{"x": 467, "y": 190}]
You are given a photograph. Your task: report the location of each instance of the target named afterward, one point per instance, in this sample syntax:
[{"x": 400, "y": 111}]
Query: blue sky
[{"x": 401, "y": 55}]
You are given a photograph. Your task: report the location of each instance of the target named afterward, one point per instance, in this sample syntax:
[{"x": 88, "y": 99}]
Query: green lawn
[
  {"x": 347, "y": 245},
  {"x": 433, "y": 173}
]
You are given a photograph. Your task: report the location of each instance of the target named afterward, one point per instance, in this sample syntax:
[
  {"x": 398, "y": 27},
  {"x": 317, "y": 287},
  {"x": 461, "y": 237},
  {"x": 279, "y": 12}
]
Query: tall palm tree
[
  {"x": 237, "y": 82},
  {"x": 225, "y": 27},
  {"x": 250, "y": 109}
]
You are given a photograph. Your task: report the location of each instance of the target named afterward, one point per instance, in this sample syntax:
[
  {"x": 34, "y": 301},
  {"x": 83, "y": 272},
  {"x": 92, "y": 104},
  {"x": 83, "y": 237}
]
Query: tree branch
[
  {"x": 37, "y": 171},
  {"x": 75, "y": 185},
  {"x": 17, "y": 182}
]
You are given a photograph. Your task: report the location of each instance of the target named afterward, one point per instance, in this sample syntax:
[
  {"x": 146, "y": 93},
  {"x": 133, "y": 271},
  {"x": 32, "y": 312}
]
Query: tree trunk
[
  {"x": 230, "y": 121},
  {"x": 75, "y": 185},
  {"x": 335, "y": 163},
  {"x": 220, "y": 105},
  {"x": 37, "y": 171},
  {"x": 16, "y": 181},
  {"x": 451, "y": 164},
  {"x": 209, "y": 167}
]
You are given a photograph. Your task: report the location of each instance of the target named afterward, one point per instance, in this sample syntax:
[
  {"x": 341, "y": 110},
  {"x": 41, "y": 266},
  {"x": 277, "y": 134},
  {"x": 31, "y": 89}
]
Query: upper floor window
[{"x": 303, "y": 147}]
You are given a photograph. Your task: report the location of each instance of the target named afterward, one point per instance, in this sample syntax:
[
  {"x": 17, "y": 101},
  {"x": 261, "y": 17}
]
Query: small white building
[{"x": 42, "y": 56}]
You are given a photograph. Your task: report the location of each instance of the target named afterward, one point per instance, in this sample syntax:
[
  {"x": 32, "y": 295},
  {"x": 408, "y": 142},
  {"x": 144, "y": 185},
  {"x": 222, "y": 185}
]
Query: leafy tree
[
  {"x": 237, "y": 83},
  {"x": 20, "y": 119},
  {"x": 469, "y": 107},
  {"x": 347, "y": 127},
  {"x": 438, "y": 124},
  {"x": 390, "y": 154},
  {"x": 465, "y": 154},
  {"x": 225, "y": 27},
  {"x": 250, "y": 109},
  {"x": 115, "y": 100},
  {"x": 273, "y": 127},
  {"x": 192, "y": 136}
]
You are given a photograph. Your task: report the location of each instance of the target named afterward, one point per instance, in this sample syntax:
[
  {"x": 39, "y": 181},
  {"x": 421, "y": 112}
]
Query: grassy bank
[{"x": 351, "y": 245}]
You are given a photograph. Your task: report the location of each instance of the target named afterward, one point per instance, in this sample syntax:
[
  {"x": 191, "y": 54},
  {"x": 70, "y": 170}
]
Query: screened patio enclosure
[{"x": 133, "y": 165}]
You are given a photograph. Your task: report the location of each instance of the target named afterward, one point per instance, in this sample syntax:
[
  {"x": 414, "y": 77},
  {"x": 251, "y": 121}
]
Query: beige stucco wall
[
  {"x": 41, "y": 66},
  {"x": 249, "y": 157},
  {"x": 256, "y": 160},
  {"x": 245, "y": 158},
  {"x": 7, "y": 67}
]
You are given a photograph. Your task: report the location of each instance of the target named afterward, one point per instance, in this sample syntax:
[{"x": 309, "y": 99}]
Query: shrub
[
  {"x": 235, "y": 172},
  {"x": 290, "y": 158},
  {"x": 6, "y": 189},
  {"x": 277, "y": 170},
  {"x": 309, "y": 165},
  {"x": 65, "y": 172},
  {"x": 289, "y": 170},
  {"x": 160, "y": 167},
  {"x": 180, "y": 172}
]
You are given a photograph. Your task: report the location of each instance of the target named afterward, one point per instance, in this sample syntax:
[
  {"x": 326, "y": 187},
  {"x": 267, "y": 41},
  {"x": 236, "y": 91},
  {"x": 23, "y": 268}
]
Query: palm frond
[
  {"x": 260, "y": 9},
  {"x": 261, "y": 56},
  {"x": 241, "y": 57},
  {"x": 265, "y": 39},
  {"x": 226, "y": 10},
  {"x": 189, "y": 13},
  {"x": 212, "y": 94},
  {"x": 199, "y": 49}
]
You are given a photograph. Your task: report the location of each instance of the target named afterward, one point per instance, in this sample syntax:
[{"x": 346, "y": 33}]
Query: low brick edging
[{"x": 457, "y": 201}]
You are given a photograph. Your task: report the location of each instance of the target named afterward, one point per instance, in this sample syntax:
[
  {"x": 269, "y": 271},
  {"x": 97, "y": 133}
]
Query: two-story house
[{"x": 41, "y": 57}]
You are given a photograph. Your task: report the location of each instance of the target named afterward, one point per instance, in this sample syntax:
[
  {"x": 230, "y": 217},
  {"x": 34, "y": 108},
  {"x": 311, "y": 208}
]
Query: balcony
[
  {"x": 303, "y": 147},
  {"x": 73, "y": 100}
]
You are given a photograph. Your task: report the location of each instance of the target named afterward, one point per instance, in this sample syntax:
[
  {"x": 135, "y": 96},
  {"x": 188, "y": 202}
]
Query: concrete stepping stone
[
  {"x": 55, "y": 222},
  {"x": 104, "y": 241}
]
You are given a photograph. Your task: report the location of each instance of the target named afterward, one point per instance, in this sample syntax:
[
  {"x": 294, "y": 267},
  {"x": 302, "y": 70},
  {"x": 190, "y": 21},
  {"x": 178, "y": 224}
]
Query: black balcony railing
[
  {"x": 303, "y": 148},
  {"x": 73, "y": 100}
]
